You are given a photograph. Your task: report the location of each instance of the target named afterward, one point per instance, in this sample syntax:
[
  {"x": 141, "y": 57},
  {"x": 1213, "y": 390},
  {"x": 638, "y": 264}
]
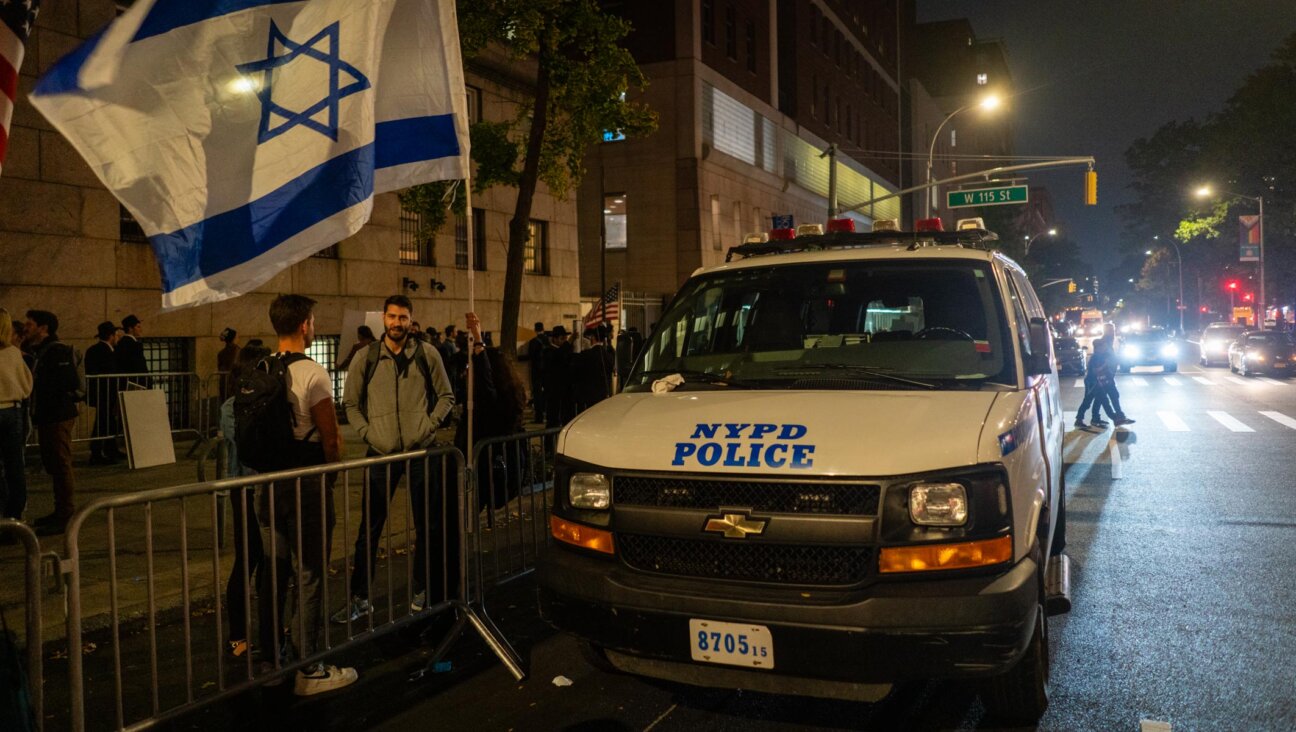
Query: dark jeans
[
  {"x": 1113, "y": 396},
  {"x": 436, "y": 536},
  {"x": 13, "y": 479},
  {"x": 245, "y": 572},
  {"x": 282, "y": 528},
  {"x": 106, "y": 426},
  {"x": 1097, "y": 396},
  {"x": 56, "y": 457}
]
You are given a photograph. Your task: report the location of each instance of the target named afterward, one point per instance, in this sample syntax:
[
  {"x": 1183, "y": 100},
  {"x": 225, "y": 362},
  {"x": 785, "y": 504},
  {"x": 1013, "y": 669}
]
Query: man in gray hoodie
[{"x": 396, "y": 395}]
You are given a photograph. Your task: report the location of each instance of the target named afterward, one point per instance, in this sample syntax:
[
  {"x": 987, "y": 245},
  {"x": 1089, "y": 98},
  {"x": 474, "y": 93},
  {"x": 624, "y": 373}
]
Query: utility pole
[{"x": 831, "y": 154}]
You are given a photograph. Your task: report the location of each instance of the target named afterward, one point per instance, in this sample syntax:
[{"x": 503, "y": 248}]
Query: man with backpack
[
  {"x": 285, "y": 418},
  {"x": 396, "y": 397},
  {"x": 58, "y": 384}
]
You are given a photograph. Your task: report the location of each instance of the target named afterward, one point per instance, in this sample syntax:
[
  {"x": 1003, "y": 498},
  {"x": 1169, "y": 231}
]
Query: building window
[
  {"x": 837, "y": 48},
  {"x": 328, "y": 252},
  {"x": 716, "y": 237},
  {"x": 983, "y": 79},
  {"x": 850, "y": 126},
  {"x": 823, "y": 35},
  {"x": 474, "y": 104},
  {"x": 324, "y": 351},
  {"x": 708, "y": 21},
  {"x": 751, "y": 46},
  {"x": 814, "y": 96},
  {"x": 614, "y": 220},
  {"x": 814, "y": 25},
  {"x": 536, "y": 255},
  {"x": 415, "y": 246},
  {"x": 827, "y": 107},
  {"x": 172, "y": 356},
  {"x": 479, "y": 240},
  {"x": 130, "y": 232},
  {"x": 731, "y": 32}
]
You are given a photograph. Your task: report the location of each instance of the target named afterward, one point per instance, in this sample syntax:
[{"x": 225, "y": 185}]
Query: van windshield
[{"x": 931, "y": 324}]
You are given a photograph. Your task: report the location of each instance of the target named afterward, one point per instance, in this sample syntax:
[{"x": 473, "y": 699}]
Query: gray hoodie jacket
[{"x": 397, "y": 417}]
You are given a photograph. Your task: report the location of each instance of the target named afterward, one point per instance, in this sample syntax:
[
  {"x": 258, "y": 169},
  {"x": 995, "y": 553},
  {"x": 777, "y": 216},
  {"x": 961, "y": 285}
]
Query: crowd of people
[
  {"x": 42, "y": 382},
  {"x": 1100, "y": 389}
]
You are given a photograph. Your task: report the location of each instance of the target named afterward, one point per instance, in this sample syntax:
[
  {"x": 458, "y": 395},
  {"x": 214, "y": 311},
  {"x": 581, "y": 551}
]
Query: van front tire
[{"x": 1020, "y": 695}]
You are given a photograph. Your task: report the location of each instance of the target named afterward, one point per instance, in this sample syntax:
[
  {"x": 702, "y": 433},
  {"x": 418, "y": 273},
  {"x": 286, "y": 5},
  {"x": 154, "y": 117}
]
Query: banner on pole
[{"x": 1249, "y": 238}]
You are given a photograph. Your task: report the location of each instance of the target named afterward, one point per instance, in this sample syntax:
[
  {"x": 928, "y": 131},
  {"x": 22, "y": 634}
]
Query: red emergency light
[
  {"x": 782, "y": 234},
  {"x": 1248, "y": 297},
  {"x": 838, "y": 225},
  {"x": 1205, "y": 309},
  {"x": 1233, "y": 284},
  {"x": 932, "y": 224}
]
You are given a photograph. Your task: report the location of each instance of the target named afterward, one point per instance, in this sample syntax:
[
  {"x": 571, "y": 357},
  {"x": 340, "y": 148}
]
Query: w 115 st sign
[{"x": 999, "y": 196}]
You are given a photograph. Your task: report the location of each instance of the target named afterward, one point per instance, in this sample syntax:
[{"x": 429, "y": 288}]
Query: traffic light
[
  {"x": 1205, "y": 309},
  {"x": 1233, "y": 284},
  {"x": 1248, "y": 297},
  {"x": 1071, "y": 286},
  {"x": 1091, "y": 188}
]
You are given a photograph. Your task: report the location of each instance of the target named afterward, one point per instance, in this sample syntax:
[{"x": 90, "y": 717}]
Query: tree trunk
[{"x": 522, "y": 211}]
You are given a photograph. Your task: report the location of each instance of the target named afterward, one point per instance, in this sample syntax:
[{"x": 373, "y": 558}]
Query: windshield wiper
[
  {"x": 878, "y": 372},
  {"x": 699, "y": 376}
]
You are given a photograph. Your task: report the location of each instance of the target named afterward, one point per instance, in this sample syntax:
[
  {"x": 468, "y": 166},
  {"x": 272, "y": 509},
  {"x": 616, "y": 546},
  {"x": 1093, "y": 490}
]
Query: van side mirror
[{"x": 1040, "y": 359}]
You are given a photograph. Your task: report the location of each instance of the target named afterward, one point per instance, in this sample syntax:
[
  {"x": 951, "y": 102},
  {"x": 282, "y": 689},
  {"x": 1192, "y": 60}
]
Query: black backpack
[{"x": 263, "y": 418}]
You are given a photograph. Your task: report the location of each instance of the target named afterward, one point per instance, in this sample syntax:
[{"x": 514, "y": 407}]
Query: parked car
[
  {"x": 1071, "y": 358},
  {"x": 1215, "y": 342},
  {"x": 1268, "y": 352},
  {"x": 1150, "y": 347}
]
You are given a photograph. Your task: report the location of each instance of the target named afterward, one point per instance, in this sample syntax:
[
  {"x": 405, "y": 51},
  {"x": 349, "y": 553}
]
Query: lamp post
[
  {"x": 1205, "y": 192},
  {"x": 1031, "y": 240},
  {"x": 989, "y": 102},
  {"x": 1179, "y": 259}
]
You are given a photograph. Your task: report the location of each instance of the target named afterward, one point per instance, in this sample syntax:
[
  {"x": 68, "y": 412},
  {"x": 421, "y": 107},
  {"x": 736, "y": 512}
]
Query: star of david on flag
[{"x": 247, "y": 135}]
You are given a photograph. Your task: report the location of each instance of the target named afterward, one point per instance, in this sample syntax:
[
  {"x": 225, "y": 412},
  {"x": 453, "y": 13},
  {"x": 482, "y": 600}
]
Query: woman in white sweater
[{"x": 15, "y": 386}]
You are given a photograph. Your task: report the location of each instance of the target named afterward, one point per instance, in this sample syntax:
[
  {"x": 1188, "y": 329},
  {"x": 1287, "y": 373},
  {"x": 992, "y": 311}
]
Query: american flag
[
  {"x": 17, "y": 18},
  {"x": 608, "y": 310}
]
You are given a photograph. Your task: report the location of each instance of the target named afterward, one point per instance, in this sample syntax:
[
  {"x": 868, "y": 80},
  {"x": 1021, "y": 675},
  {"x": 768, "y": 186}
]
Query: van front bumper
[{"x": 886, "y": 632}]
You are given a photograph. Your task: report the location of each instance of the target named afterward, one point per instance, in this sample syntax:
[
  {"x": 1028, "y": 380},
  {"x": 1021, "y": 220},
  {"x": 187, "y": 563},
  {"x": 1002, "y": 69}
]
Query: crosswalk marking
[
  {"x": 1239, "y": 380},
  {"x": 1173, "y": 381},
  {"x": 1173, "y": 422},
  {"x": 1281, "y": 419},
  {"x": 1268, "y": 380},
  {"x": 1228, "y": 421},
  {"x": 1204, "y": 380},
  {"x": 1138, "y": 381}
]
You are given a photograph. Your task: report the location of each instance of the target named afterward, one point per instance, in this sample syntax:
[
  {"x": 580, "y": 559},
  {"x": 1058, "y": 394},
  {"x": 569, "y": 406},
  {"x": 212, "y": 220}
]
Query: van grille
[
  {"x": 749, "y": 562},
  {"x": 844, "y": 499}
]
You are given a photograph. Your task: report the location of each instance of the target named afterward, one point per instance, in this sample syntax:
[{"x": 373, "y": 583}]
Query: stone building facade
[{"x": 67, "y": 246}]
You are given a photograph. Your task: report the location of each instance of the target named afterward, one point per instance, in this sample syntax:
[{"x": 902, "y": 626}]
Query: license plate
[
  {"x": 1280, "y": 365},
  {"x": 735, "y": 644}
]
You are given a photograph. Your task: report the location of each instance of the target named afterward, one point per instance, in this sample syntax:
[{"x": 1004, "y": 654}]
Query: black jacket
[
  {"x": 100, "y": 359},
  {"x": 130, "y": 356},
  {"x": 591, "y": 375},
  {"x": 57, "y": 385}
]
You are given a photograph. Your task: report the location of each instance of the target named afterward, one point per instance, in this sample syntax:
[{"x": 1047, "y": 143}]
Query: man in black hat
[
  {"x": 535, "y": 349},
  {"x": 560, "y": 402},
  {"x": 129, "y": 353},
  {"x": 101, "y": 394}
]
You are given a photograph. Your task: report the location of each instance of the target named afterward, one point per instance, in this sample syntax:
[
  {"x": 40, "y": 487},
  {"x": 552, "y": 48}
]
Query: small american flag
[
  {"x": 17, "y": 18},
  {"x": 606, "y": 311}
]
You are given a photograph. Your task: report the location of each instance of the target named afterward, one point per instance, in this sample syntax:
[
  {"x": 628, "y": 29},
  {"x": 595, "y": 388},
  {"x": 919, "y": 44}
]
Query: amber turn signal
[
  {"x": 945, "y": 556},
  {"x": 585, "y": 537}
]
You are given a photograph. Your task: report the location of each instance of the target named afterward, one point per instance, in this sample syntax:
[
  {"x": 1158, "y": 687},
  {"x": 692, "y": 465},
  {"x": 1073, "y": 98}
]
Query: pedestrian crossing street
[
  {"x": 1136, "y": 381},
  {"x": 1207, "y": 420}
]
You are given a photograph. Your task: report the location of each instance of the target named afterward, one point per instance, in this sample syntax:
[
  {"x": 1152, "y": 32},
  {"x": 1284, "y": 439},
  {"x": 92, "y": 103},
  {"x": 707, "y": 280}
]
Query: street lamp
[
  {"x": 987, "y": 103},
  {"x": 1207, "y": 192},
  {"x": 1031, "y": 240}
]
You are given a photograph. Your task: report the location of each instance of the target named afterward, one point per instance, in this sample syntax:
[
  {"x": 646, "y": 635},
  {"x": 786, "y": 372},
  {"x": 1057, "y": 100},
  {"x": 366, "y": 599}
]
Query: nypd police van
[{"x": 836, "y": 466}]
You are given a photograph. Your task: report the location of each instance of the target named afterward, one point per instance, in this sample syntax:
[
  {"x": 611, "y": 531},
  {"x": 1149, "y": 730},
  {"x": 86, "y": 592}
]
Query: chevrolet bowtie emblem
[{"x": 735, "y": 525}]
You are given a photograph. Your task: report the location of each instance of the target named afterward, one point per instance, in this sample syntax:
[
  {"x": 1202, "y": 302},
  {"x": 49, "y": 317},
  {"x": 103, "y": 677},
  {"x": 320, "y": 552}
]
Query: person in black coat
[
  {"x": 592, "y": 371},
  {"x": 535, "y": 366},
  {"x": 560, "y": 403},
  {"x": 129, "y": 352},
  {"x": 57, "y": 387},
  {"x": 101, "y": 395}
]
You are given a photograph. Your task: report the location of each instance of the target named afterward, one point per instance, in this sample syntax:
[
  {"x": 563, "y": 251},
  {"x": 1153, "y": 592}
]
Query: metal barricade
[
  {"x": 148, "y": 584},
  {"x": 32, "y": 628},
  {"x": 100, "y": 419}
]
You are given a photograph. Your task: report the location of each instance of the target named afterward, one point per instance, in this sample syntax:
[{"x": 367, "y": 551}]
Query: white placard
[{"x": 147, "y": 427}]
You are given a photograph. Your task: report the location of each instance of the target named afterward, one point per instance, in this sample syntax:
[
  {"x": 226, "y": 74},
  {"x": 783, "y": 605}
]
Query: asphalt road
[{"x": 1181, "y": 533}]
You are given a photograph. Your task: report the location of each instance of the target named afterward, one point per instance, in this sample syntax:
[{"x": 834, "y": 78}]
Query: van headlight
[
  {"x": 590, "y": 490},
  {"x": 1132, "y": 352},
  {"x": 1170, "y": 350},
  {"x": 938, "y": 504}
]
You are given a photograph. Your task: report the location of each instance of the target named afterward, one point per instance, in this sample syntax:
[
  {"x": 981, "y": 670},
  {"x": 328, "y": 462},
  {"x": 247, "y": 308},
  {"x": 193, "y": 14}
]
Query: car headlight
[
  {"x": 590, "y": 490},
  {"x": 1132, "y": 352},
  {"x": 1097, "y": 331},
  {"x": 938, "y": 504},
  {"x": 1255, "y": 357},
  {"x": 1214, "y": 345},
  {"x": 1170, "y": 350}
]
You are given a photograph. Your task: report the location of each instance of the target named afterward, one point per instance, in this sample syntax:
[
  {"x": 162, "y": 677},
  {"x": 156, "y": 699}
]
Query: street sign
[
  {"x": 998, "y": 196},
  {"x": 783, "y": 221}
]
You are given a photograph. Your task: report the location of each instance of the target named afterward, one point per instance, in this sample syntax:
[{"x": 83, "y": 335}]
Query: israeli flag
[{"x": 246, "y": 135}]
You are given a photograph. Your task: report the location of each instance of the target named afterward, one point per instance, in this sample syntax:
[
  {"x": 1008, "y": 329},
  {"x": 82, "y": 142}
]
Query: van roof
[{"x": 866, "y": 252}]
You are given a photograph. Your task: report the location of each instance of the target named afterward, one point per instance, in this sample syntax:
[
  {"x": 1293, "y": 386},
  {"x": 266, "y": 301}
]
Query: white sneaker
[
  {"x": 417, "y": 604},
  {"x": 321, "y": 678},
  {"x": 357, "y": 608}
]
